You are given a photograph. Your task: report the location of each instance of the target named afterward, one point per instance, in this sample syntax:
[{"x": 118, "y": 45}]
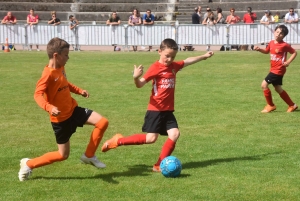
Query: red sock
[
  {"x": 167, "y": 150},
  {"x": 286, "y": 98},
  {"x": 135, "y": 139},
  {"x": 45, "y": 159},
  {"x": 268, "y": 97},
  {"x": 96, "y": 136}
]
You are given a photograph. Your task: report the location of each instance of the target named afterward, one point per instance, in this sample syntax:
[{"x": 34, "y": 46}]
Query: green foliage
[{"x": 228, "y": 149}]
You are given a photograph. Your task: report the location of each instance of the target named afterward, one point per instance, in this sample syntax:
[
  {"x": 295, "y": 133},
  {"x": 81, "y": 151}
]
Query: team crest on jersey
[{"x": 276, "y": 50}]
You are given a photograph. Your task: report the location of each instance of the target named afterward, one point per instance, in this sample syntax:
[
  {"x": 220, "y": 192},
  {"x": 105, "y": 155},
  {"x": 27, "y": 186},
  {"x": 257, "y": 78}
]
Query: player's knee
[
  {"x": 174, "y": 135},
  {"x": 102, "y": 123},
  {"x": 64, "y": 156},
  {"x": 151, "y": 139}
]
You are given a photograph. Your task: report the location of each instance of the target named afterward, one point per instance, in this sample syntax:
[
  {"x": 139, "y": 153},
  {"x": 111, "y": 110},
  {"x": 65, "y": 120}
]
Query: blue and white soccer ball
[{"x": 170, "y": 166}]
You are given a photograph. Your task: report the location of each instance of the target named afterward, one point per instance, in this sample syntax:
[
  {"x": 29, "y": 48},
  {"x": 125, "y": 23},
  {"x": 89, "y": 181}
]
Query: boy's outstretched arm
[
  {"x": 264, "y": 51},
  {"x": 192, "y": 60},
  {"x": 137, "y": 72},
  {"x": 292, "y": 57}
]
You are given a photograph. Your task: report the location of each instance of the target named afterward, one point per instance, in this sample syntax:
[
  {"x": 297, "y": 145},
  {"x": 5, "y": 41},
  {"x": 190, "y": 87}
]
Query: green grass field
[{"x": 228, "y": 149}]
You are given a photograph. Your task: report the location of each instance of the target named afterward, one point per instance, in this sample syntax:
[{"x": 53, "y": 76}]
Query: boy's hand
[
  {"x": 55, "y": 112},
  {"x": 208, "y": 54},
  {"x": 85, "y": 94},
  {"x": 137, "y": 71},
  {"x": 256, "y": 48}
]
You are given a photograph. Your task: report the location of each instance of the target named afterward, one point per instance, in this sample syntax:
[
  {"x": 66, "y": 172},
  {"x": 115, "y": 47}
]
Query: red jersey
[
  {"x": 249, "y": 18},
  {"x": 278, "y": 53},
  {"x": 53, "y": 89},
  {"x": 163, "y": 85},
  {"x": 11, "y": 19},
  {"x": 32, "y": 18}
]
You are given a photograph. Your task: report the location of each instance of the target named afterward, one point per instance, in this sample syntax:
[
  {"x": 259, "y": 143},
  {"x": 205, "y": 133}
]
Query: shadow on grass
[
  {"x": 133, "y": 171},
  {"x": 201, "y": 164}
]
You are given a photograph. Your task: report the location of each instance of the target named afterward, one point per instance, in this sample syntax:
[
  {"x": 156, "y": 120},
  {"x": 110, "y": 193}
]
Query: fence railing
[{"x": 126, "y": 36}]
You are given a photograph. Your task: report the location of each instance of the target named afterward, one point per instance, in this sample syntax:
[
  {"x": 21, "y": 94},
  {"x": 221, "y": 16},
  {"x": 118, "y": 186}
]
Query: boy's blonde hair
[
  {"x": 168, "y": 44},
  {"x": 56, "y": 45}
]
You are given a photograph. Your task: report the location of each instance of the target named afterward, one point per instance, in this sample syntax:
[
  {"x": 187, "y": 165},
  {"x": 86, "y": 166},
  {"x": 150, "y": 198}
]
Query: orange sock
[
  {"x": 167, "y": 150},
  {"x": 45, "y": 159},
  {"x": 96, "y": 137}
]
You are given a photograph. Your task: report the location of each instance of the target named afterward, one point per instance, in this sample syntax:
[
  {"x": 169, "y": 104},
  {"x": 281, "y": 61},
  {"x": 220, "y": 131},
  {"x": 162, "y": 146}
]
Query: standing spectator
[
  {"x": 114, "y": 20},
  {"x": 148, "y": 19},
  {"x": 32, "y": 19},
  {"x": 134, "y": 20},
  {"x": 291, "y": 17},
  {"x": 277, "y": 17},
  {"x": 73, "y": 23},
  {"x": 209, "y": 20},
  {"x": 250, "y": 16},
  {"x": 267, "y": 18},
  {"x": 232, "y": 18},
  {"x": 220, "y": 16},
  {"x": 54, "y": 20},
  {"x": 9, "y": 19},
  {"x": 195, "y": 17},
  {"x": 200, "y": 14},
  {"x": 208, "y": 10}
]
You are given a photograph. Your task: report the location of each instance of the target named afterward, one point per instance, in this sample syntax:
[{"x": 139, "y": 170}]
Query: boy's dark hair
[
  {"x": 283, "y": 28},
  {"x": 70, "y": 16},
  {"x": 219, "y": 10},
  {"x": 56, "y": 45},
  {"x": 168, "y": 44}
]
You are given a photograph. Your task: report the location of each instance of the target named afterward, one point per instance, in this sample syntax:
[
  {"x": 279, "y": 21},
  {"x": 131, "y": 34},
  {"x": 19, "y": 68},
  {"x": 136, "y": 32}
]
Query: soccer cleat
[
  {"x": 268, "y": 108},
  {"x": 292, "y": 108},
  {"x": 93, "y": 161},
  {"x": 156, "y": 168},
  {"x": 111, "y": 143},
  {"x": 25, "y": 171}
]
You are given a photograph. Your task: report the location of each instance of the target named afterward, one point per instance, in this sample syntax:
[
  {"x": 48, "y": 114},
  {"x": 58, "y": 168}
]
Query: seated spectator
[
  {"x": 32, "y": 19},
  {"x": 209, "y": 20},
  {"x": 54, "y": 20},
  {"x": 220, "y": 17},
  {"x": 9, "y": 19},
  {"x": 114, "y": 20},
  {"x": 267, "y": 18},
  {"x": 232, "y": 18},
  {"x": 250, "y": 16},
  {"x": 148, "y": 19},
  {"x": 291, "y": 17},
  {"x": 134, "y": 20},
  {"x": 277, "y": 17}
]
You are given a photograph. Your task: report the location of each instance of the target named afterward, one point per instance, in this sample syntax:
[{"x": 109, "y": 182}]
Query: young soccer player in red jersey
[
  {"x": 278, "y": 50},
  {"x": 159, "y": 118},
  {"x": 53, "y": 94}
]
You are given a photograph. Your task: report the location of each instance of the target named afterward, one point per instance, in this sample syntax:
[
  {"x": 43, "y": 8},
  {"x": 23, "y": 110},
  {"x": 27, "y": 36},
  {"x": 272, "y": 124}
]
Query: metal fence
[{"x": 126, "y": 36}]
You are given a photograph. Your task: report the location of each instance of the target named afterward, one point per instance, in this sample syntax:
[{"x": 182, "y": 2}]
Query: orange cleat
[
  {"x": 156, "y": 168},
  {"x": 268, "y": 109},
  {"x": 111, "y": 143},
  {"x": 292, "y": 108}
]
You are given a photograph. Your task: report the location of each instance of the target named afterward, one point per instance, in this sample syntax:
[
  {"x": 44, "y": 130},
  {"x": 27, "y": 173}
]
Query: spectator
[
  {"x": 291, "y": 17},
  {"x": 135, "y": 20},
  {"x": 267, "y": 18},
  {"x": 148, "y": 19},
  {"x": 200, "y": 14},
  {"x": 209, "y": 20},
  {"x": 54, "y": 20},
  {"x": 9, "y": 19},
  {"x": 277, "y": 17},
  {"x": 205, "y": 15},
  {"x": 250, "y": 16},
  {"x": 232, "y": 18},
  {"x": 73, "y": 23},
  {"x": 220, "y": 16},
  {"x": 32, "y": 19},
  {"x": 195, "y": 17},
  {"x": 114, "y": 20}
]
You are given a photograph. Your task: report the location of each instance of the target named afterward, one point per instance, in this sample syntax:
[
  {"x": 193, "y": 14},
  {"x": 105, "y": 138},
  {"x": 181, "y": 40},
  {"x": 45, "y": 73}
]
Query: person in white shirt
[
  {"x": 267, "y": 18},
  {"x": 291, "y": 17}
]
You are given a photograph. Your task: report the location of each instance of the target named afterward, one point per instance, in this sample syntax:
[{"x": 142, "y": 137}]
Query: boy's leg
[
  {"x": 28, "y": 164},
  {"x": 284, "y": 95},
  {"x": 101, "y": 125},
  {"x": 268, "y": 95},
  {"x": 168, "y": 147}
]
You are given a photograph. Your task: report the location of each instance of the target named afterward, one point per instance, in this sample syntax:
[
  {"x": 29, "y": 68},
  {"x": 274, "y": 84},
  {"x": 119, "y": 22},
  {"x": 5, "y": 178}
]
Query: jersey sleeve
[
  {"x": 74, "y": 89},
  {"x": 40, "y": 91},
  {"x": 288, "y": 48},
  {"x": 178, "y": 65},
  {"x": 151, "y": 73}
]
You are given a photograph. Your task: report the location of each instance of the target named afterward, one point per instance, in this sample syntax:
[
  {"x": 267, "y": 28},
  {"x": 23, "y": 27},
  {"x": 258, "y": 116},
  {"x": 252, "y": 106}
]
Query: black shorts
[
  {"x": 274, "y": 79},
  {"x": 64, "y": 130},
  {"x": 159, "y": 122}
]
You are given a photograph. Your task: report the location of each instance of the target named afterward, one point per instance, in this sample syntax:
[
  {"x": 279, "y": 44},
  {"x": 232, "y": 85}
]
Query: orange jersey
[{"x": 53, "y": 89}]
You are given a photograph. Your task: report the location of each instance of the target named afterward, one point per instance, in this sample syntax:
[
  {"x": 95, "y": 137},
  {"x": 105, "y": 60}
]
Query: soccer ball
[{"x": 170, "y": 166}]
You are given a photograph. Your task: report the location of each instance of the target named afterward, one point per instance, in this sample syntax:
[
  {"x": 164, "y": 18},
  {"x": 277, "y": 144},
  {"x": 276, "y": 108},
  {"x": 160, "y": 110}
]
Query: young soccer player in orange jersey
[
  {"x": 53, "y": 94},
  {"x": 159, "y": 118},
  {"x": 278, "y": 50}
]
